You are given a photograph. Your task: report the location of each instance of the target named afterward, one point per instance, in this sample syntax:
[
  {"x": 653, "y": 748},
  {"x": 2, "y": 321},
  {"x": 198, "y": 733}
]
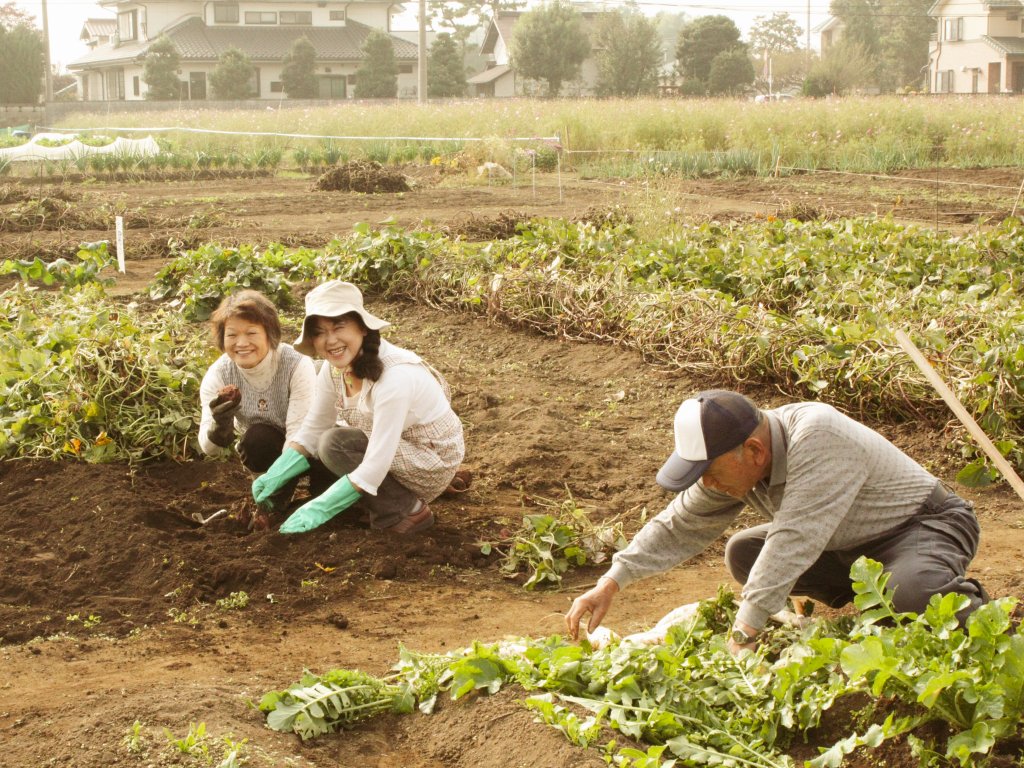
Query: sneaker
[{"x": 418, "y": 521}]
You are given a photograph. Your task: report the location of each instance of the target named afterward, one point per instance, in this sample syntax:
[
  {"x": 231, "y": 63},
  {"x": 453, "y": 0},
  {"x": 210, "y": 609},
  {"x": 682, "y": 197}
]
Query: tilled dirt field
[{"x": 544, "y": 418}]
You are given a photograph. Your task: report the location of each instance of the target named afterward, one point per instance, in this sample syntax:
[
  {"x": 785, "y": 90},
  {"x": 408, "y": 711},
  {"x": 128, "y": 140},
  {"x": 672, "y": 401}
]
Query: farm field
[{"x": 544, "y": 418}]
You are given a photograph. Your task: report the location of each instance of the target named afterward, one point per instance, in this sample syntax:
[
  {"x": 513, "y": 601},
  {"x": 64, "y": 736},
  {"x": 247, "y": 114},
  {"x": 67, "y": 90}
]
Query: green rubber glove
[
  {"x": 318, "y": 511},
  {"x": 289, "y": 464}
]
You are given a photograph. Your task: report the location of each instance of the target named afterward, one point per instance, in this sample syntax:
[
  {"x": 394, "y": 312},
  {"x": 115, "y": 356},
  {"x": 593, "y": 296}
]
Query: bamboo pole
[{"x": 961, "y": 413}]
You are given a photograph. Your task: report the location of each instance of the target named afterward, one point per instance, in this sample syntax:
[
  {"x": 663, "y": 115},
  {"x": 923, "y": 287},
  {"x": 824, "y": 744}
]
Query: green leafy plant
[
  {"x": 93, "y": 258},
  {"x": 133, "y": 740},
  {"x": 320, "y": 704},
  {"x": 236, "y": 601},
  {"x": 696, "y": 703},
  {"x": 549, "y": 544},
  {"x": 85, "y": 377}
]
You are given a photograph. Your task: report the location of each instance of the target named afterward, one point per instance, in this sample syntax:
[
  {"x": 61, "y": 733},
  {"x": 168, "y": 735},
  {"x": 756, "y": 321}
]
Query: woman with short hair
[{"x": 257, "y": 392}]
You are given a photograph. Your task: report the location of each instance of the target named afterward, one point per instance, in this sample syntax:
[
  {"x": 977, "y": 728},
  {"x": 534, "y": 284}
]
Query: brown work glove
[{"x": 223, "y": 408}]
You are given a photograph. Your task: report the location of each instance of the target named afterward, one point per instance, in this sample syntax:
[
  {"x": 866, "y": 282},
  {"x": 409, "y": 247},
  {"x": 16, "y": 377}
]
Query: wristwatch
[{"x": 742, "y": 638}]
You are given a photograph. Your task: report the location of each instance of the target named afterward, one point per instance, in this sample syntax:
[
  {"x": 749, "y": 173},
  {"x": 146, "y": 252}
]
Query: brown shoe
[{"x": 417, "y": 522}]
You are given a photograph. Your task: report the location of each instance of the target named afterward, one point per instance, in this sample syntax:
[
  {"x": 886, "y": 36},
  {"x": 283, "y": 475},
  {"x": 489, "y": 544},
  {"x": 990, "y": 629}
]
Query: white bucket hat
[{"x": 334, "y": 299}]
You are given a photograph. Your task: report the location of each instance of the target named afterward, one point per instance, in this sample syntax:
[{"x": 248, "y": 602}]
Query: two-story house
[
  {"x": 499, "y": 78},
  {"x": 264, "y": 30},
  {"x": 978, "y": 47}
]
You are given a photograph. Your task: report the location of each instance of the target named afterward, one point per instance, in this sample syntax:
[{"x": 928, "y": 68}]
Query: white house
[
  {"x": 978, "y": 47},
  {"x": 829, "y": 33},
  {"x": 264, "y": 29},
  {"x": 499, "y": 78}
]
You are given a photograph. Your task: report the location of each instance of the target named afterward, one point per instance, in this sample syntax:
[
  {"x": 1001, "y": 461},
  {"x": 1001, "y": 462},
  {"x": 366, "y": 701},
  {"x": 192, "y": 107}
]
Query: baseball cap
[{"x": 707, "y": 425}]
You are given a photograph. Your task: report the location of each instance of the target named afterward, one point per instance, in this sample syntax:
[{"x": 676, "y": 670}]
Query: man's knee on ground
[{"x": 741, "y": 551}]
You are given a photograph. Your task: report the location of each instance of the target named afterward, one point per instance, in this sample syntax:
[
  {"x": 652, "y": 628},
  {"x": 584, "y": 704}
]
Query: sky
[{"x": 66, "y": 17}]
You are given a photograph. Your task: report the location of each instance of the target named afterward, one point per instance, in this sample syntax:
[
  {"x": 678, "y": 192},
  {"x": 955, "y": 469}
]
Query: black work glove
[{"x": 223, "y": 408}]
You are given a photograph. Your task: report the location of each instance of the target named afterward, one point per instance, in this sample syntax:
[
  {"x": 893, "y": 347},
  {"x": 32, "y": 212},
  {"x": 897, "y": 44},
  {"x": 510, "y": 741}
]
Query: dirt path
[{"x": 544, "y": 418}]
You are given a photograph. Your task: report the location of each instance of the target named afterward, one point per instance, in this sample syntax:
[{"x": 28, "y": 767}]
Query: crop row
[
  {"x": 807, "y": 307},
  {"x": 865, "y": 134}
]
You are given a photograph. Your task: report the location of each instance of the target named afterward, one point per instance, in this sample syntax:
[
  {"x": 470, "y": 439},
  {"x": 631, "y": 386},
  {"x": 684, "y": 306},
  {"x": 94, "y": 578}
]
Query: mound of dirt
[
  {"x": 477, "y": 228},
  {"x": 362, "y": 176}
]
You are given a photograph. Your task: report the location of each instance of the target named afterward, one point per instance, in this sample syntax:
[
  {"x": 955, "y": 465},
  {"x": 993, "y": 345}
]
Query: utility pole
[
  {"x": 48, "y": 90},
  {"x": 421, "y": 83},
  {"x": 807, "y": 65}
]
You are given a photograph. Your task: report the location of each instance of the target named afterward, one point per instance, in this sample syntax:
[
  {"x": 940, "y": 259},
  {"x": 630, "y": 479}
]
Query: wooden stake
[{"x": 961, "y": 413}]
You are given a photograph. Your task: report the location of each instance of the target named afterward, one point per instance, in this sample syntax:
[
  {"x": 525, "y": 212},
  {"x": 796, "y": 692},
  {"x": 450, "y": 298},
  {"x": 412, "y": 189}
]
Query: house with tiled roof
[
  {"x": 978, "y": 47},
  {"x": 263, "y": 29},
  {"x": 98, "y": 31}
]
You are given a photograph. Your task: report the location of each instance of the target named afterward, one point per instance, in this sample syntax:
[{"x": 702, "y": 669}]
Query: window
[
  {"x": 135, "y": 85},
  {"x": 405, "y": 69},
  {"x": 276, "y": 86},
  {"x": 944, "y": 81},
  {"x": 260, "y": 17},
  {"x": 337, "y": 15},
  {"x": 128, "y": 26},
  {"x": 225, "y": 13},
  {"x": 296, "y": 17},
  {"x": 953, "y": 29}
]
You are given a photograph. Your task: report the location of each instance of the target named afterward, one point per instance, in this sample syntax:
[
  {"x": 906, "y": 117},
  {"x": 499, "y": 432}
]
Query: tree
[
  {"x": 550, "y": 44},
  {"x": 160, "y": 71},
  {"x": 629, "y": 57},
  {"x": 777, "y": 34},
  {"x": 446, "y": 74},
  {"x": 461, "y": 18},
  {"x": 905, "y": 45},
  {"x": 844, "y": 67},
  {"x": 377, "y": 77},
  {"x": 731, "y": 72},
  {"x": 298, "y": 75},
  {"x": 21, "y": 62},
  {"x": 701, "y": 41},
  {"x": 894, "y": 33},
  {"x": 232, "y": 77},
  {"x": 11, "y": 16}
]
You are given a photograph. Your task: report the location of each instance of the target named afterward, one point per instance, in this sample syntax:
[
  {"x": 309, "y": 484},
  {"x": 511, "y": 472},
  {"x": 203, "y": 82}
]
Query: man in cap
[{"x": 832, "y": 489}]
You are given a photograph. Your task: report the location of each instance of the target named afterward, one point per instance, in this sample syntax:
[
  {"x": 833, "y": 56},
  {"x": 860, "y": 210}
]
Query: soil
[{"x": 108, "y": 590}]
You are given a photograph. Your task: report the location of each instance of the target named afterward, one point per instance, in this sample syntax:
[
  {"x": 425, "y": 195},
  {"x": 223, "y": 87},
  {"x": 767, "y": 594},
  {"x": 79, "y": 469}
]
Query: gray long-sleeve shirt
[{"x": 834, "y": 484}]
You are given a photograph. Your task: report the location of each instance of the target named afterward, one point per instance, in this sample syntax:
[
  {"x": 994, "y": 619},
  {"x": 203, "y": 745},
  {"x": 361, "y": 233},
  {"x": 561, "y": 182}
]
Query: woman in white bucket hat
[{"x": 381, "y": 421}]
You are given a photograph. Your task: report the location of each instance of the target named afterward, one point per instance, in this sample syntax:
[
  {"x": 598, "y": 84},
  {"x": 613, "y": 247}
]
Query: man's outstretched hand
[{"x": 596, "y": 602}]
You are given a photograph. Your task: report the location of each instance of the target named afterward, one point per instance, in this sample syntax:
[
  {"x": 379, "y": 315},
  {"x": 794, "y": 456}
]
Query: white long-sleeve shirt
[{"x": 406, "y": 394}]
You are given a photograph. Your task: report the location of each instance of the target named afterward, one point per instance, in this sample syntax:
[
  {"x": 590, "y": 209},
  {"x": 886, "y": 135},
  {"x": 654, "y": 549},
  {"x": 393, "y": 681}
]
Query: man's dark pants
[{"x": 927, "y": 555}]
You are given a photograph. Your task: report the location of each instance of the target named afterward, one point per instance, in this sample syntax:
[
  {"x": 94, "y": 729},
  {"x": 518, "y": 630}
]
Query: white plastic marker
[
  {"x": 119, "y": 226},
  {"x": 961, "y": 413}
]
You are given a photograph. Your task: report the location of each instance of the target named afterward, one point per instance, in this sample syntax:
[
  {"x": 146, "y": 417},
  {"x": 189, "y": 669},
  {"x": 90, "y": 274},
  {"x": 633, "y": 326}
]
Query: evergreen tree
[
  {"x": 893, "y": 33},
  {"x": 550, "y": 44},
  {"x": 160, "y": 71},
  {"x": 731, "y": 72},
  {"x": 298, "y": 75},
  {"x": 701, "y": 41},
  {"x": 629, "y": 55},
  {"x": 377, "y": 77},
  {"x": 21, "y": 63},
  {"x": 446, "y": 74},
  {"x": 232, "y": 77}
]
